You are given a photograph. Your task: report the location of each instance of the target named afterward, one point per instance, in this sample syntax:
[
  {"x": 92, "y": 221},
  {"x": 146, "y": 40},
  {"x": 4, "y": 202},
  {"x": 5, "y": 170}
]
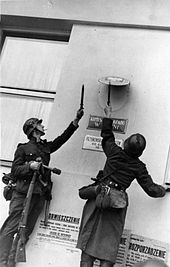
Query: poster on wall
[
  {"x": 142, "y": 248},
  {"x": 123, "y": 248},
  {"x": 94, "y": 143},
  {"x": 118, "y": 126},
  {"x": 61, "y": 230}
]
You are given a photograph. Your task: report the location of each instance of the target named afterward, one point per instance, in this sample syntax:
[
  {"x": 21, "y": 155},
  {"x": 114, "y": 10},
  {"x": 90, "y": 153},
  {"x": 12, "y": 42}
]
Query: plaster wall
[
  {"x": 143, "y": 57},
  {"x": 146, "y": 12},
  {"x": 140, "y": 55}
]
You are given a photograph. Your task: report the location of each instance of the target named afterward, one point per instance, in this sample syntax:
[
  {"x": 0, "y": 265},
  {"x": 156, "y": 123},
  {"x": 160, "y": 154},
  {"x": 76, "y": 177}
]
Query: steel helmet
[
  {"x": 30, "y": 125},
  {"x": 134, "y": 145}
]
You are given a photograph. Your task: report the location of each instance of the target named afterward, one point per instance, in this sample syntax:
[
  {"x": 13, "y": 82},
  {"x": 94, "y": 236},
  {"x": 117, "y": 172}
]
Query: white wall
[
  {"x": 146, "y": 12},
  {"x": 143, "y": 57}
]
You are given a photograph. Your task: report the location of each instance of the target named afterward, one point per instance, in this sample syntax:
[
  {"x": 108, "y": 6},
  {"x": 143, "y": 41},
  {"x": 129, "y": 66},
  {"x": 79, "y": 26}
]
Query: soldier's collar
[{"x": 42, "y": 141}]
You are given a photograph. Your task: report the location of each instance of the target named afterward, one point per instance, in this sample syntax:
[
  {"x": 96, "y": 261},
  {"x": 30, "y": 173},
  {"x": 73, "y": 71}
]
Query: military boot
[
  {"x": 5, "y": 246},
  {"x": 11, "y": 257}
]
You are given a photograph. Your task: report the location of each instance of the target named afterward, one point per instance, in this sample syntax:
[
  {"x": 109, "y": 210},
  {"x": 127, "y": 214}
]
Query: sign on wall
[
  {"x": 142, "y": 248},
  {"x": 119, "y": 125},
  {"x": 94, "y": 143},
  {"x": 61, "y": 230},
  {"x": 134, "y": 248}
]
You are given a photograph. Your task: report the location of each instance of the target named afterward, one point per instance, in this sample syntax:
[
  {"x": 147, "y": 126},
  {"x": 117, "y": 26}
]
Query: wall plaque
[
  {"x": 95, "y": 143},
  {"x": 119, "y": 125}
]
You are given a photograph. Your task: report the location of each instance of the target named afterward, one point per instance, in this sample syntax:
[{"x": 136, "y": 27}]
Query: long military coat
[{"x": 100, "y": 231}]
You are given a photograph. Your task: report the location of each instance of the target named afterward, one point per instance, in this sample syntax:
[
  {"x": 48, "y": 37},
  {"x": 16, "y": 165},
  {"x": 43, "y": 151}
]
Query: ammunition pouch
[
  {"x": 7, "y": 192},
  {"x": 88, "y": 192},
  {"x": 111, "y": 197},
  {"x": 10, "y": 185}
]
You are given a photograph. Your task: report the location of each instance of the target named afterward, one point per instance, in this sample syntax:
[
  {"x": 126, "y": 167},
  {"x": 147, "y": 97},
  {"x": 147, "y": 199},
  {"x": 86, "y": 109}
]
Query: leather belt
[{"x": 116, "y": 185}]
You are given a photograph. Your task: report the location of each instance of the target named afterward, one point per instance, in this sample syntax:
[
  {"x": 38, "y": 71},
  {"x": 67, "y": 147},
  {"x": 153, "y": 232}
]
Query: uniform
[
  {"x": 100, "y": 231},
  {"x": 23, "y": 174}
]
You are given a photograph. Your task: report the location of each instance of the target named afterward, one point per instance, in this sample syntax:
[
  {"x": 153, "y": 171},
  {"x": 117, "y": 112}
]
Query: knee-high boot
[
  {"x": 5, "y": 246},
  {"x": 11, "y": 257},
  {"x": 86, "y": 264}
]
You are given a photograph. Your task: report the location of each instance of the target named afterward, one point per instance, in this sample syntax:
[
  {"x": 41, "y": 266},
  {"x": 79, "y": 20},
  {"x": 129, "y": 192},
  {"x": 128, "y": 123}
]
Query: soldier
[
  {"x": 101, "y": 229},
  {"x": 23, "y": 167}
]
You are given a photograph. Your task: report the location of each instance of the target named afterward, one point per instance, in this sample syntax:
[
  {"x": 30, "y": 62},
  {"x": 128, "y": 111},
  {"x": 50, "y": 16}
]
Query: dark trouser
[
  {"x": 8, "y": 244},
  {"x": 87, "y": 261}
]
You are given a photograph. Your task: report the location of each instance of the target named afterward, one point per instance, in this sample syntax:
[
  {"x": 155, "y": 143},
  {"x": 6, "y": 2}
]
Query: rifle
[{"x": 20, "y": 251}]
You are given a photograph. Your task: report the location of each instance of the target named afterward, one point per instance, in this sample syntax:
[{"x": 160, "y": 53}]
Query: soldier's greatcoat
[{"x": 100, "y": 231}]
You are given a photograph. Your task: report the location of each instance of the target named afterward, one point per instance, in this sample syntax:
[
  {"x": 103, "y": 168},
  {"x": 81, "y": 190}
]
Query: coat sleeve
[
  {"x": 63, "y": 138},
  {"x": 146, "y": 182},
  {"x": 20, "y": 169},
  {"x": 108, "y": 142}
]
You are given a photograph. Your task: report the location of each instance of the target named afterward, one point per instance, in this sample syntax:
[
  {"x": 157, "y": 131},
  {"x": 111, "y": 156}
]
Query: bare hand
[{"x": 34, "y": 165}]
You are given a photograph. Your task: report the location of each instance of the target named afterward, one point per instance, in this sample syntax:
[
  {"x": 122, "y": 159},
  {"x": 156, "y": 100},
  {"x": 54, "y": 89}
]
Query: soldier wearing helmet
[
  {"x": 33, "y": 124},
  {"x": 100, "y": 234},
  {"x": 26, "y": 161}
]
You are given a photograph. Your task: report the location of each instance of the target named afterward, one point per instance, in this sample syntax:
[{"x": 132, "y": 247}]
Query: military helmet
[
  {"x": 134, "y": 145},
  {"x": 30, "y": 125}
]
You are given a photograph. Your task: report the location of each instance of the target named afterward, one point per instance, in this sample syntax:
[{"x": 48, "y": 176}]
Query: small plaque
[
  {"x": 95, "y": 143},
  {"x": 119, "y": 125},
  {"x": 116, "y": 81}
]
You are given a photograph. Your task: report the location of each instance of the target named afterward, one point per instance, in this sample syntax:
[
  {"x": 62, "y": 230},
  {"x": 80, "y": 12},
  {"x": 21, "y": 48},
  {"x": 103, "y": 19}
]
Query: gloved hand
[
  {"x": 34, "y": 165},
  {"x": 108, "y": 111},
  {"x": 79, "y": 115},
  {"x": 167, "y": 187},
  {"x": 102, "y": 199}
]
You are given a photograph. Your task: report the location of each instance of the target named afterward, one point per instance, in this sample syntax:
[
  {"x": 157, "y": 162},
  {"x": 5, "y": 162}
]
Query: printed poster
[
  {"x": 61, "y": 230},
  {"x": 142, "y": 248},
  {"x": 123, "y": 248},
  {"x": 95, "y": 143}
]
